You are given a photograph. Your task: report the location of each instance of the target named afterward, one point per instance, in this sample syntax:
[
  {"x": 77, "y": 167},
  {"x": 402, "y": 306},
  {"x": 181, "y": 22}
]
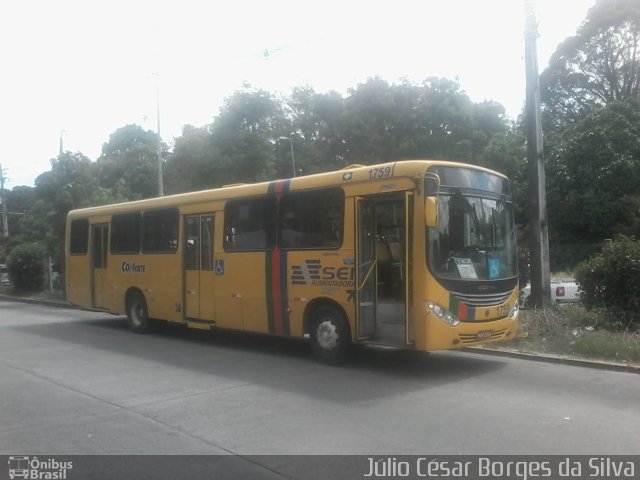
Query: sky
[{"x": 78, "y": 70}]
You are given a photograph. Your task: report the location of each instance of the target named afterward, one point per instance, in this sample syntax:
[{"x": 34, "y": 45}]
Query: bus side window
[
  {"x": 160, "y": 231},
  {"x": 312, "y": 220},
  {"x": 79, "y": 244},
  {"x": 249, "y": 224},
  {"x": 125, "y": 233}
]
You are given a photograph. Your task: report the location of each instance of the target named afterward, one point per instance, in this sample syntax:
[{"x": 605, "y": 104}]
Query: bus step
[{"x": 199, "y": 325}]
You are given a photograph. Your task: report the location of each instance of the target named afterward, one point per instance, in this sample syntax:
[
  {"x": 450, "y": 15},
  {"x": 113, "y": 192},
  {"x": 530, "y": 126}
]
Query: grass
[{"x": 571, "y": 330}]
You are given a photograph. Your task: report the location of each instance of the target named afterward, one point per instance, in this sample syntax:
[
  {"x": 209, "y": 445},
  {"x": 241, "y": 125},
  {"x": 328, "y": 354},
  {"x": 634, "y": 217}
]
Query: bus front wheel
[
  {"x": 137, "y": 313},
  {"x": 330, "y": 336}
]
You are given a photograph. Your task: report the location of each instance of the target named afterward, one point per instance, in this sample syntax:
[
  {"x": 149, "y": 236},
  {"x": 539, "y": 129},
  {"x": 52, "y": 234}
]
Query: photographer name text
[{"x": 485, "y": 467}]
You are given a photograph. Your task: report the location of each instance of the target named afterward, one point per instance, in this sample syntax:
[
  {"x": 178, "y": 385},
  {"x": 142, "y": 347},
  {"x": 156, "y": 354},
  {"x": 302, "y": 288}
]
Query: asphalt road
[{"x": 75, "y": 382}]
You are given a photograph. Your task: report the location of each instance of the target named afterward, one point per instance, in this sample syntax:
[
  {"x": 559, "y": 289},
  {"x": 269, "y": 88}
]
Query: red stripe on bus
[
  {"x": 276, "y": 292},
  {"x": 463, "y": 312}
]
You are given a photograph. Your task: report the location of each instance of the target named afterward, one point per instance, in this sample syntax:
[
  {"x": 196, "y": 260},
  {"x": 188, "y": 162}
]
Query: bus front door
[
  {"x": 383, "y": 268},
  {"x": 365, "y": 268},
  {"x": 198, "y": 267},
  {"x": 99, "y": 247}
]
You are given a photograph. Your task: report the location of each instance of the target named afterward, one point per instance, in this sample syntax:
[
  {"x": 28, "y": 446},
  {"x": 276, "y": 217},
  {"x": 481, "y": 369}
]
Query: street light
[
  {"x": 293, "y": 161},
  {"x": 3, "y": 200},
  {"x": 159, "y": 146}
]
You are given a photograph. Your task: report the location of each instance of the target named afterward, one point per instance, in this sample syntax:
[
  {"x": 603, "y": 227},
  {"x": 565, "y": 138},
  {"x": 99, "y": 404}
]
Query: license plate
[{"x": 484, "y": 334}]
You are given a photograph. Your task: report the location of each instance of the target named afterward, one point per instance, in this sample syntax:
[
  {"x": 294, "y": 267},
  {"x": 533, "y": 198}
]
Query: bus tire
[
  {"x": 137, "y": 313},
  {"x": 330, "y": 335}
]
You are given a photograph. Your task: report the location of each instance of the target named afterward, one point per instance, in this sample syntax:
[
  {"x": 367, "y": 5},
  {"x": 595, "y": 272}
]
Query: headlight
[
  {"x": 513, "y": 313},
  {"x": 442, "y": 313}
]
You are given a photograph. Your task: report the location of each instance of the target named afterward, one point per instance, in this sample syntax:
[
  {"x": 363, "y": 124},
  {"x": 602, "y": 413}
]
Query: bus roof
[{"x": 348, "y": 175}]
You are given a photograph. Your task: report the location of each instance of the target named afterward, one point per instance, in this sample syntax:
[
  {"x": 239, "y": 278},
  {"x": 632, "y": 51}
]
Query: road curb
[
  {"x": 508, "y": 353},
  {"x": 557, "y": 359}
]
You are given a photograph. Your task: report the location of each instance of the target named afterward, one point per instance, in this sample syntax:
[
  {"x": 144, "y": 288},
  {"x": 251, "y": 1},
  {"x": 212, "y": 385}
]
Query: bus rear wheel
[
  {"x": 330, "y": 335},
  {"x": 137, "y": 313}
]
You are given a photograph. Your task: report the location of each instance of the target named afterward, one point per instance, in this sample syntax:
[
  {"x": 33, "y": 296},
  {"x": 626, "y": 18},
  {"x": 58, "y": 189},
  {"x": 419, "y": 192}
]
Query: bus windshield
[{"x": 475, "y": 238}]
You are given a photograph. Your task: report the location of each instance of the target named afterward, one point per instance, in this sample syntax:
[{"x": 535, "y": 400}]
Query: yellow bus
[{"x": 412, "y": 254}]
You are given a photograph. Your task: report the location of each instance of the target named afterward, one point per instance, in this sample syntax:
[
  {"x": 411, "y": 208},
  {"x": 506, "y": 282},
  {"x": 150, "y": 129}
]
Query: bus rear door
[
  {"x": 199, "y": 298},
  {"x": 99, "y": 247}
]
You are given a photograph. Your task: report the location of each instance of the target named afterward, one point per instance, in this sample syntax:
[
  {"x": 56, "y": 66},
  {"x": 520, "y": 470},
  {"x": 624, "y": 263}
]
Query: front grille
[
  {"x": 482, "y": 299},
  {"x": 468, "y": 338}
]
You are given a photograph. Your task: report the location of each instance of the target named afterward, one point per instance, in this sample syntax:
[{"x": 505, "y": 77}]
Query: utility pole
[
  {"x": 293, "y": 160},
  {"x": 538, "y": 221},
  {"x": 3, "y": 199},
  {"x": 160, "y": 181},
  {"x": 62, "y": 133}
]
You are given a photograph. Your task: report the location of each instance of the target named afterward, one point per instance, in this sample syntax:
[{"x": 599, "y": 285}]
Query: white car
[{"x": 561, "y": 292}]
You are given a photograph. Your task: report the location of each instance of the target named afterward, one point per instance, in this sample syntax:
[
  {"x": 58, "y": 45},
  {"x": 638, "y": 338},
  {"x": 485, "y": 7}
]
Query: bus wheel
[
  {"x": 330, "y": 336},
  {"x": 137, "y": 313}
]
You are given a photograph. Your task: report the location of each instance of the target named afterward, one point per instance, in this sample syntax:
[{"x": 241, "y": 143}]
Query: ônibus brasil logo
[{"x": 33, "y": 468}]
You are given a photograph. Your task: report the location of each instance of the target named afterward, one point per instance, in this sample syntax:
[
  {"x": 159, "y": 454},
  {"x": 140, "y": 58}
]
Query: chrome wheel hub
[
  {"x": 327, "y": 335},
  {"x": 137, "y": 313}
]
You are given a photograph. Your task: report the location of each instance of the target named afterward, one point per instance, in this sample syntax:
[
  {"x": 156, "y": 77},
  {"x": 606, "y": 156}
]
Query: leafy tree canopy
[
  {"x": 594, "y": 178},
  {"x": 375, "y": 122},
  {"x": 128, "y": 138},
  {"x": 599, "y": 65},
  {"x": 129, "y": 163}
]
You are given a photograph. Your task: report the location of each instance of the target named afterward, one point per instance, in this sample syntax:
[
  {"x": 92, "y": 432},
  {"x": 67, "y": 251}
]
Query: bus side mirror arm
[
  {"x": 431, "y": 211},
  {"x": 431, "y": 199}
]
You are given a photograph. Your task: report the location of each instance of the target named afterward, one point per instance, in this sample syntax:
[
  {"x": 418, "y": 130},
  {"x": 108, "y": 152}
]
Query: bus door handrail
[{"x": 366, "y": 277}]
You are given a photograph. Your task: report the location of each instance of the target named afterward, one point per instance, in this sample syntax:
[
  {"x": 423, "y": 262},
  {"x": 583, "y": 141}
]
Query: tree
[
  {"x": 191, "y": 165},
  {"x": 376, "y": 122},
  {"x": 237, "y": 147},
  {"x": 71, "y": 183},
  {"x": 593, "y": 178},
  {"x": 611, "y": 280},
  {"x": 447, "y": 121},
  {"x": 244, "y": 134},
  {"x": 68, "y": 185},
  {"x": 317, "y": 130},
  {"x": 435, "y": 120},
  {"x": 597, "y": 66},
  {"x": 129, "y": 163},
  {"x": 19, "y": 201},
  {"x": 26, "y": 267},
  {"x": 372, "y": 131},
  {"x": 589, "y": 93}
]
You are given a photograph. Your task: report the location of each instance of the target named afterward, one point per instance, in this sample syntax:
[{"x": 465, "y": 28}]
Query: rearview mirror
[{"x": 431, "y": 211}]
